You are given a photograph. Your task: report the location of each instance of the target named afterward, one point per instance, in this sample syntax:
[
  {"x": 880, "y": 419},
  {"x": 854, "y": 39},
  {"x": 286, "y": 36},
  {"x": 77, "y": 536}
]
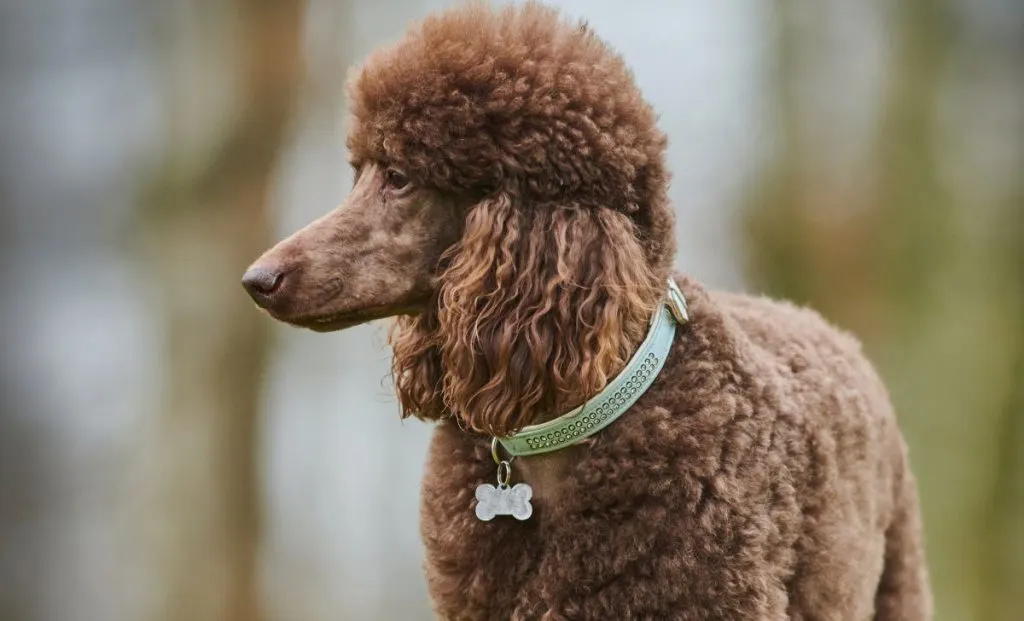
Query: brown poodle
[{"x": 510, "y": 208}]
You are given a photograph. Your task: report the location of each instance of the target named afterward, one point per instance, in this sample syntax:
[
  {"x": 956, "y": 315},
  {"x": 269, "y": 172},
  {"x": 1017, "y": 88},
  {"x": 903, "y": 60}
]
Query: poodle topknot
[{"x": 520, "y": 101}]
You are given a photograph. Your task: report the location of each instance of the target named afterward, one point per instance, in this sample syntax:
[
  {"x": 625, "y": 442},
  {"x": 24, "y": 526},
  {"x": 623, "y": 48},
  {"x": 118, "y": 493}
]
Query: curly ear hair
[{"x": 537, "y": 309}]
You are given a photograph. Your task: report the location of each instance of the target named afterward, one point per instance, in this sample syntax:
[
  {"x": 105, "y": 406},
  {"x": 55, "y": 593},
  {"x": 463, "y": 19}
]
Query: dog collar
[{"x": 617, "y": 396}]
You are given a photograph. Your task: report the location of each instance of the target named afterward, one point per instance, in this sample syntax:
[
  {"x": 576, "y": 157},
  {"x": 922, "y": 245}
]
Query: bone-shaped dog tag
[{"x": 504, "y": 499}]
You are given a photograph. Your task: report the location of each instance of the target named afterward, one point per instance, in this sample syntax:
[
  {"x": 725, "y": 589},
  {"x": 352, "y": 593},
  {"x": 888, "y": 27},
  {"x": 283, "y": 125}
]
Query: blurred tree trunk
[
  {"x": 207, "y": 222},
  {"x": 906, "y": 260},
  {"x": 1004, "y": 539}
]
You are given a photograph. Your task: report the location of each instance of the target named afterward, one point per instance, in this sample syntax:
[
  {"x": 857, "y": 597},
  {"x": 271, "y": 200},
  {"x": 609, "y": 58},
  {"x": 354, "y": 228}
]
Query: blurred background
[{"x": 167, "y": 453}]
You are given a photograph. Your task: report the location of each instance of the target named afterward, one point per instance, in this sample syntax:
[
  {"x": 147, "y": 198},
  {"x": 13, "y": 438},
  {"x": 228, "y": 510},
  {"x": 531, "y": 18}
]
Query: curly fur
[
  {"x": 520, "y": 103},
  {"x": 763, "y": 475},
  {"x": 536, "y": 311}
]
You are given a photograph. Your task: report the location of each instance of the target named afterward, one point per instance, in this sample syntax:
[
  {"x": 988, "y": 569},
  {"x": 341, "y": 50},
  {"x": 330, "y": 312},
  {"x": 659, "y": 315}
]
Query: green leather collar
[{"x": 617, "y": 397}]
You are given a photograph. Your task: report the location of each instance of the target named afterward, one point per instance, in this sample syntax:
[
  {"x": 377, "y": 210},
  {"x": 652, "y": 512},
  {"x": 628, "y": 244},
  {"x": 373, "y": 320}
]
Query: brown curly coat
[{"x": 510, "y": 206}]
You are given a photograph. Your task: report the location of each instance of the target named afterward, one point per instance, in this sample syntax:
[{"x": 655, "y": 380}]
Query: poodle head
[{"x": 509, "y": 205}]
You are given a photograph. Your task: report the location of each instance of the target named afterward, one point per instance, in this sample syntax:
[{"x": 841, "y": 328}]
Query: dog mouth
[{"x": 332, "y": 322}]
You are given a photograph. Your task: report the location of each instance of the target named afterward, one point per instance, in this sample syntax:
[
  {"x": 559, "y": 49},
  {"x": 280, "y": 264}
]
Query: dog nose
[{"x": 261, "y": 283}]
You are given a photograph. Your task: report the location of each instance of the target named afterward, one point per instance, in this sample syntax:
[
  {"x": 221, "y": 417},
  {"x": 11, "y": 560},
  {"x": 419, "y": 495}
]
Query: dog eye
[{"x": 396, "y": 180}]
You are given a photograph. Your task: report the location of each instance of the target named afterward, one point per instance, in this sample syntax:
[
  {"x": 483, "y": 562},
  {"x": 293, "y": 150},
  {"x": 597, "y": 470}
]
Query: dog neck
[
  {"x": 548, "y": 449},
  {"x": 617, "y": 396}
]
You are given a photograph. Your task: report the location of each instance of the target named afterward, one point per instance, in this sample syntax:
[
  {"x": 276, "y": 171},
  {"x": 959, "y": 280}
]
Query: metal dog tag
[{"x": 503, "y": 499}]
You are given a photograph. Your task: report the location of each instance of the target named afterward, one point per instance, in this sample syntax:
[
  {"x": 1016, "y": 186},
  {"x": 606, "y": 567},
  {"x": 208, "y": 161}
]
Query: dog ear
[{"x": 538, "y": 306}]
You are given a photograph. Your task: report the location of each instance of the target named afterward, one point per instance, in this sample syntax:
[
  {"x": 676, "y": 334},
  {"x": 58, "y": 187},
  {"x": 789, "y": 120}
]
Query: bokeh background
[{"x": 167, "y": 453}]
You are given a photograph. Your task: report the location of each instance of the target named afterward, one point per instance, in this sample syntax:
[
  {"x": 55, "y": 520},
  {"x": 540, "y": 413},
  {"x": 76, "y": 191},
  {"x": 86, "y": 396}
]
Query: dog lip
[
  {"x": 332, "y": 322},
  {"x": 329, "y": 324}
]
